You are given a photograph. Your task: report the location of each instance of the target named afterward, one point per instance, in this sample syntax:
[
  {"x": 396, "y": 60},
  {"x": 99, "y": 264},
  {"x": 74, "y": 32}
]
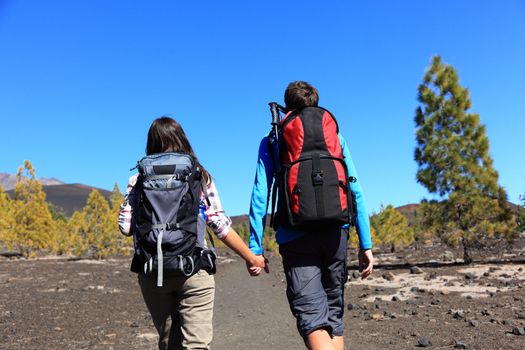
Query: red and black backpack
[{"x": 312, "y": 180}]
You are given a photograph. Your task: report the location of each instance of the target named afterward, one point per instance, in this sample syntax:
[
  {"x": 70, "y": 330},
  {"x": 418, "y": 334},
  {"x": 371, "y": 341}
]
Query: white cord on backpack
[{"x": 160, "y": 259}]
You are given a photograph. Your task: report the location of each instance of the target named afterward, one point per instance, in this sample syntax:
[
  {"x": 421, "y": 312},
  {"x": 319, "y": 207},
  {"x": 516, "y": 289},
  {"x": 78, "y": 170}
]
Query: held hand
[
  {"x": 366, "y": 263},
  {"x": 257, "y": 265},
  {"x": 253, "y": 270},
  {"x": 266, "y": 266}
]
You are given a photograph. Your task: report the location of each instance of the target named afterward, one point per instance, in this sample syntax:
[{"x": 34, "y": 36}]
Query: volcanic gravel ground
[{"x": 439, "y": 303}]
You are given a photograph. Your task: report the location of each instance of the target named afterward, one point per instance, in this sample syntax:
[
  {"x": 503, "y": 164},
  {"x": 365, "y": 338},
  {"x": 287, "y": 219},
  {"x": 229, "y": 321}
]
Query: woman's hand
[
  {"x": 254, "y": 263},
  {"x": 258, "y": 264}
]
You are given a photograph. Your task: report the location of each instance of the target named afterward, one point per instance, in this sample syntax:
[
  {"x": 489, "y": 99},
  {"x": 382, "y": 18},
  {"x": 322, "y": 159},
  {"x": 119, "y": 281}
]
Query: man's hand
[
  {"x": 258, "y": 265},
  {"x": 366, "y": 263}
]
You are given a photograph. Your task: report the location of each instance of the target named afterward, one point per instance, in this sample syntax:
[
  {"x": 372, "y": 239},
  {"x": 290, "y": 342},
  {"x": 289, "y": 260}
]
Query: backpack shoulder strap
[
  {"x": 203, "y": 186},
  {"x": 273, "y": 145}
]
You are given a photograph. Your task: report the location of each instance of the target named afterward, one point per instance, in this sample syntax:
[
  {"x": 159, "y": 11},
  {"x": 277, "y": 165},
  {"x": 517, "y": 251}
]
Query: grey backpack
[{"x": 166, "y": 216}]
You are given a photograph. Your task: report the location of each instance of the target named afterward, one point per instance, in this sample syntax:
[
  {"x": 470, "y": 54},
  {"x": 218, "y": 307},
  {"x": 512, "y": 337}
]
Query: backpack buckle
[
  {"x": 186, "y": 265},
  {"x": 317, "y": 177},
  {"x": 172, "y": 226}
]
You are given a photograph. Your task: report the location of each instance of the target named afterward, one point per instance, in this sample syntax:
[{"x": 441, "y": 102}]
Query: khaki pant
[{"x": 182, "y": 309}]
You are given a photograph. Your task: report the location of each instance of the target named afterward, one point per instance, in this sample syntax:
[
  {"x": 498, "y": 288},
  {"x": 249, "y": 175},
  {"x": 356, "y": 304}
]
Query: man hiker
[{"x": 319, "y": 194}]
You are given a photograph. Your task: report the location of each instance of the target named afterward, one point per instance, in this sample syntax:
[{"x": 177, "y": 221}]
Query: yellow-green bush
[
  {"x": 34, "y": 230},
  {"x": 27, "y": 224},
  {"x": 99, "y": 227},
  {"x": 354, "y": 239},
  {"x": 392, "y": 227},
  {"x": 7, "y": 220},
  {"x": 269, "y": 241}
]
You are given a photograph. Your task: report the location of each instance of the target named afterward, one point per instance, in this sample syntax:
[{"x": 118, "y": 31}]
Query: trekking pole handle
[{"x": 275, "y": 108}]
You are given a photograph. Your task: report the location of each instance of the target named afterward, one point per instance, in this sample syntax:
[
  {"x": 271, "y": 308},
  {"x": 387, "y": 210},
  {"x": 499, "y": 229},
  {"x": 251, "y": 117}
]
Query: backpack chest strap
[{"x": 169, "y": 226}]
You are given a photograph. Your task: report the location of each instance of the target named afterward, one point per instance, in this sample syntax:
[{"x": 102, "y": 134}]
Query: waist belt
[{"x": 179, "y": 265}]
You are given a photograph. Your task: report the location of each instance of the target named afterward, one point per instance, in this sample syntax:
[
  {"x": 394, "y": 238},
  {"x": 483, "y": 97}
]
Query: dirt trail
[{"x": 58, "y": 304}]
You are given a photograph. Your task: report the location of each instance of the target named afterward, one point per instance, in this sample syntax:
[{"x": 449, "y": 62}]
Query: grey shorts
[{"x": 315, "y": 268}]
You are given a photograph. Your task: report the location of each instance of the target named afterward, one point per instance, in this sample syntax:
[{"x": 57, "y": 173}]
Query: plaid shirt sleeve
[
  {"x": 216, "y": 218},
  {"x": 125, "y": 212}
]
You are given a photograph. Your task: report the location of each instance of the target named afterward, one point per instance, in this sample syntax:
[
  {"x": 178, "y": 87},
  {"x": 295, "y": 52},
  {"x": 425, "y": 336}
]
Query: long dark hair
[{"x": 166, "y": 135}]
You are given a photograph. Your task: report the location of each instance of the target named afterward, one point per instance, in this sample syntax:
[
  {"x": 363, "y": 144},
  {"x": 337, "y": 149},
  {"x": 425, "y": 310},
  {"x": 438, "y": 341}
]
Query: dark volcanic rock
[
  {"x": 351, "y": 307},
  {"x": 415, "y": 270},
  {"x": 389, "y": 276},
  {"x": 460, "y": 345},
  {"x": 423, "y": 342},
  {"x": 459, "y": 315},
  {"x": 470, "y": 276},
  {"x": 431, "y": 276},
  {"x": 518, "y": 330}
]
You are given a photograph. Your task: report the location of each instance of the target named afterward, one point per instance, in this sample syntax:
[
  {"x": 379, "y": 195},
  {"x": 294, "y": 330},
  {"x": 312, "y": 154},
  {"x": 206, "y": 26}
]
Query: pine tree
[
  {"x": 269, "y": 241},
  {"x": 71, "y": 236},
  {"x": 116, "y": 198},
  {"x": 521, "y": 214},
  {"x": 243, "y": 230},
  {"x": 7, "y": 221},
  {"x": 100, "y": 228},
  {"x": 353, "y": 239},
  {"x": 35, "y": 229},
  {"x": 392, "y": 228},
  {"x": 453, "y": 160},
  {"x": 56, "y": 212}
]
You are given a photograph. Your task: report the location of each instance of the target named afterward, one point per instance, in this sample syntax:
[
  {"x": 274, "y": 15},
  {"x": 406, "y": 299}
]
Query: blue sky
[{"x": 81, "y": 81}]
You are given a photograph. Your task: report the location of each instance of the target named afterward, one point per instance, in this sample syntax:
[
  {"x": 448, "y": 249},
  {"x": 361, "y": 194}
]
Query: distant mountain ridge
[
  {"x": 71, "y": 197},
  {"x": 8, "y": 181},
  {"x": 68, "y": 198}
]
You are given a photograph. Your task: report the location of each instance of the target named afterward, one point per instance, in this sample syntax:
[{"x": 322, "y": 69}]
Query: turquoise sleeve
[
  {"x": 363, "y": 223},
  {"x": 260, "y": 196}
]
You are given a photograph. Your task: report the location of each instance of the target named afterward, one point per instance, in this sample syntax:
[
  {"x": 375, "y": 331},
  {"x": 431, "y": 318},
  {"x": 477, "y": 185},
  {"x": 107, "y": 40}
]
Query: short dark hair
[{"x": 300, "y": 94}]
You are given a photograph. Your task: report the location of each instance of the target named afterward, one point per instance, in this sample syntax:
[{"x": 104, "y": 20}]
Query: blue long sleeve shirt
[{"x": 261, "y": 197}]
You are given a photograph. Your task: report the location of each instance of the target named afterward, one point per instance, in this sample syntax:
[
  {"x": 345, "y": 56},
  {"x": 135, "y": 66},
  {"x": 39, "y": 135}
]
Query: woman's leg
[
  {"x": 162, "y": 305},
  {"x": 196, "y": 311}
]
